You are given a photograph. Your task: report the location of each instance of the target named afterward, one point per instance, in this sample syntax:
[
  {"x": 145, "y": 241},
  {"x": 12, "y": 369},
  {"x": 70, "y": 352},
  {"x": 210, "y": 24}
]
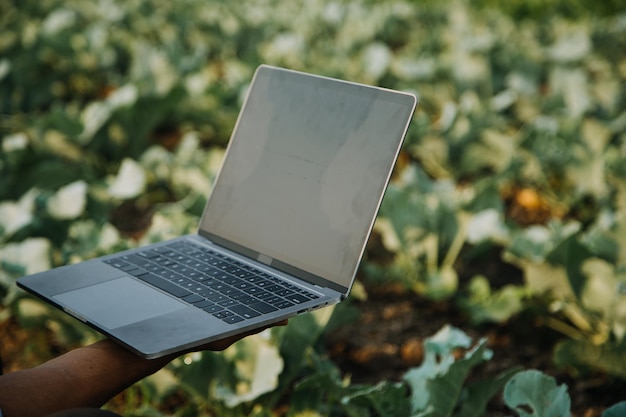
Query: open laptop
[{"x": 282, "y": 233}]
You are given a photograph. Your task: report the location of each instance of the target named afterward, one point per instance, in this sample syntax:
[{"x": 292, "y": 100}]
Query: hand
[{"x": 222, "y": 344}]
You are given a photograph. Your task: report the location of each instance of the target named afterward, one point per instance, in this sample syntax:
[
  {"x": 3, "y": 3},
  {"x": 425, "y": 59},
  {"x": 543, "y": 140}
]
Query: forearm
[{"x": 85, "y": 377}]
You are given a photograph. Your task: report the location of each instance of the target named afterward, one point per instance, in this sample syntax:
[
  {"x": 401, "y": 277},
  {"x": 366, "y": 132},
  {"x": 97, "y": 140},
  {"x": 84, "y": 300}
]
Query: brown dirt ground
[{"x": 387, "y": 341}]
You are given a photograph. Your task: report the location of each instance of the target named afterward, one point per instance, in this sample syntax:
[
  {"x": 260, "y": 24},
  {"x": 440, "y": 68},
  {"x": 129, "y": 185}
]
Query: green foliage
[
  {"x": 539, "y": 9},
  {"x": 485, "y": 305},
  {"x": 113, "y": 118},
  {"x": 478, "y": 394},
  {"x": 327, "y": 394},
  {"x": 423, "y": 217},
  {"x": 616, "y": 410},
  {"x": 438, "y": 384},
  {"x": 534, "y": 394},
  {"x": 608, "y": 357}
]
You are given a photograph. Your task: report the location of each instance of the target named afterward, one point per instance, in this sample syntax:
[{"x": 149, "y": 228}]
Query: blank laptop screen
[{"x": 305, "y": 170}]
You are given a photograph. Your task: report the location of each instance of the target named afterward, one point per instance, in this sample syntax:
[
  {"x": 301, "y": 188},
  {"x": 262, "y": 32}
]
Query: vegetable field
[{"x": 495, "y": 280}]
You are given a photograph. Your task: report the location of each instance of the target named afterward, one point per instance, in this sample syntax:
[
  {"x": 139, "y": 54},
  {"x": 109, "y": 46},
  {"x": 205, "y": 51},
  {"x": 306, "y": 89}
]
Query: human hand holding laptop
[{"x": 86, "y": 378}]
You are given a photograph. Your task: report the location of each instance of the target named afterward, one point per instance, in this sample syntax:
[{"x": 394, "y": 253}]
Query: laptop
[{"x": 282, "y": 233}]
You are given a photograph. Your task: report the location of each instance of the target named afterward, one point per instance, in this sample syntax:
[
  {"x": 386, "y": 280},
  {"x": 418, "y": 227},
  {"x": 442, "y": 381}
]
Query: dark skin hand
[{"x": 85, "y": 377}]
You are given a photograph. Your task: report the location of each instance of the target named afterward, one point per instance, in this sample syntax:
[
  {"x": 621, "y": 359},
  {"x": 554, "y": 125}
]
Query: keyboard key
[
  {"x": 194, "y": 274},
  {"x": 163, "y": 250},
  {"x": 215, "y": 297},
  {"x": 223, "y": 314},
  {"x": 273, "y": 299},
  {"x": 201, "y": 277},
  {"x": 232, "y": 292},
  {"x": 181, "y": 280},
  {"x": 117, "y": 263},
  {"x": 297, "y": 298},
  {"x": 243, "y": 285},
  {"x": 211, "y": 271},
  {"x": 244, "y": 311},
  {"x": 138, "y": 272},
  {"x": 233, "y": 281},
  {"x": 242, "y": 273},
  {"x": 283, "y": 304},
  {"x": 149, "y": 254},
  {"x": 193, "y": 298},
  {"x": 204, "y": 304},
  {"x": 262, "y": 307},
  {"x": 256, "y": 291},
  {"x": 219, "y": 287},
  {"x": 154, "y": 268},
  {"x": 166, "y": 286},
  {"x": 232, "y": 319},
  {"x": 284, "y": 293},
  {"x": 181, "y": 246},
  {"x": 165, "y": 262},
  {"x": 196, "y": 288},
  {"x": 228, "y": 303},
  {"x": 246, "y": 300},
  {"x": 170, "y": 276},
  {"x": 213, "y": 308}
]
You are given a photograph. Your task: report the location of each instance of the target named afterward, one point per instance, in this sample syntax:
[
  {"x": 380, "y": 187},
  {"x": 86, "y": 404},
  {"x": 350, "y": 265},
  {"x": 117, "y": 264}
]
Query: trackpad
[{"x": 118, "y": 303}]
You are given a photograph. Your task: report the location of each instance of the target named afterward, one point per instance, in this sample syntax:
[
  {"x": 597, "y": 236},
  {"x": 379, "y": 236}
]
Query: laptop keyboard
[{"x": 230, "y": 290}]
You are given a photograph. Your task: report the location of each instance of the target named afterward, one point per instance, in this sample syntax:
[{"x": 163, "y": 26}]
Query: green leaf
[
  {"x": 436, "y": 385},
  {"x": 50, "y": 173},
  {"x": 258, "y": 366},
  {"x": 445, "y": 390},
  {"x": 599, "y": 243},
  {"x": 484, "y": 305},
  {"x": 385, "y": 399},
  {"x": 537, "y": 243},
  {"x": 296, "y": 342},
  {"x": 609, "y": 358},
  {"x": 440, "y": 284},
  {"x": 616, "y": 410},
  {"x": 319, "y": 391},
  {"x": 198, "y": 372},
  {"x": 572, "y": 255},
  {"x": 534, "y": 394},
  {"x": 477, "y": 395},
  {"x": 326, "y": 393},
  {"x": 404, "y": 209},
  {"x": 344, "y": 313}
]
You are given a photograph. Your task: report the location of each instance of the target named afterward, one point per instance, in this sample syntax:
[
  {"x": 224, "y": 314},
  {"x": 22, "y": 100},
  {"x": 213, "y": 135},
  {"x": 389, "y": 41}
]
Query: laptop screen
[{"x": 305, "y": 171}]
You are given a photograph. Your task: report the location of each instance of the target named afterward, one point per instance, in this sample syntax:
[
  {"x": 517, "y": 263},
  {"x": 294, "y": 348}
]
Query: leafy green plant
[
  {"x": 113, "y": 117},
  {"x": 532, "y": 393},
  {"x": 424, "y": 226},
  {"x": 485, "y": 305},
  {"x": 438, "y": 384}
]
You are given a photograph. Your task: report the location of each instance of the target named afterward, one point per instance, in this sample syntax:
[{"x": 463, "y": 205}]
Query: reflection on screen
[{"x": 305, "y": 170}]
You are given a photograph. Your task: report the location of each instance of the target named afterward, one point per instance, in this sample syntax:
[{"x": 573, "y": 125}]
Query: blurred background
[{"x": 504, "y": 224}]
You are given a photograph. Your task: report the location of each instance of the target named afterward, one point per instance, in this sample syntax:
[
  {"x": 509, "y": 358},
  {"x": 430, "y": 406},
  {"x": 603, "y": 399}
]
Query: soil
[{"x": 386, "y": 341}]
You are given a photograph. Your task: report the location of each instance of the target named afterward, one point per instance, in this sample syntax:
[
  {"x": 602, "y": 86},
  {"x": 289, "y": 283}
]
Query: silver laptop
[{"x": 282, "y": 233}]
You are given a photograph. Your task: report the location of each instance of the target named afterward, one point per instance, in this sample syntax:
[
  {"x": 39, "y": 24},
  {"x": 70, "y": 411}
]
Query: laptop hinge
[{"x": 264, "y": 259}]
